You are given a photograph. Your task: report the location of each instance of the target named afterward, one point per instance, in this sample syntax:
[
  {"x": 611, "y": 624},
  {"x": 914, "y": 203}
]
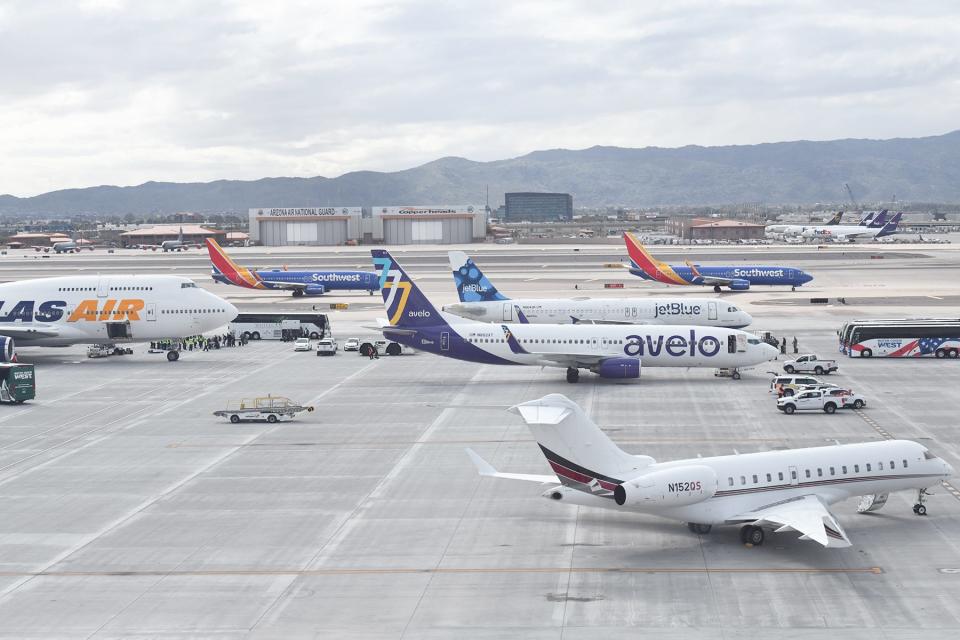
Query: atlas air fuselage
[{"x": 107, "y": 309}]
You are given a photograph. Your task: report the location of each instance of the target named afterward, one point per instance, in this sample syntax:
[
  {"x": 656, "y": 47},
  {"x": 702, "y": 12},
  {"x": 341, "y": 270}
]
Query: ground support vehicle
[
  {"x": 107, "y": 350},
  {"x": 265, "y": 408},
  {"x": 17, "y": 382},
  {"x": 352, "y": 344},
  {"x": 382, "y": 346},
  {"x": 810, "y": 364},
  {"x": 727, "y": 373},
  {"x": 810, "y": 400},
  {"x": 792, "y": 384},
  {"x": 302, "y": 344}
]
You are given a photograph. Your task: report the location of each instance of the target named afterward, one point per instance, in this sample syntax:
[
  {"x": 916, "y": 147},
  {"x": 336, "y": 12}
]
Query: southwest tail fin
[
  {"x": 580, "y": 453},
  {"x": 226, "y": 270},
  {"x": 643, "y": 262},
  {"x": 472, "y": 285},
  {"x": 405, "y": 303}
]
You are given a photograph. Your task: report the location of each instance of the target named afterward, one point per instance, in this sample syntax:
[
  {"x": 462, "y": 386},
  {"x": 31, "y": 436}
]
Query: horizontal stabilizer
[{"x": 485, "y": 469}]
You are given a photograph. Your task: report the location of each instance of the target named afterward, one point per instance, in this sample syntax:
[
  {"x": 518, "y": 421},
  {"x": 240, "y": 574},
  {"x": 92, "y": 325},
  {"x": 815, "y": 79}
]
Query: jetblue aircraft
[
  {"x": 480, "y": 300},
  {"x": 309, "y": 283},
  {"x": 644, "y": 265},
  {"x": 768, "y": 491},
  {"x": 610, "y": 351}
]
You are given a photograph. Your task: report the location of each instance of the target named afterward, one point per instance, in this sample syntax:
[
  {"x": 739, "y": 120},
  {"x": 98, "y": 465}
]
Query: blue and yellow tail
[
  {"x": 472, "y": 285},
  {"x": 405, "y": 303}
]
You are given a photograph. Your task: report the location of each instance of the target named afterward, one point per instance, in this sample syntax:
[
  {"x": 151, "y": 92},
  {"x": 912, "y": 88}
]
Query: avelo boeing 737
[{"x": 610, "y": 351}]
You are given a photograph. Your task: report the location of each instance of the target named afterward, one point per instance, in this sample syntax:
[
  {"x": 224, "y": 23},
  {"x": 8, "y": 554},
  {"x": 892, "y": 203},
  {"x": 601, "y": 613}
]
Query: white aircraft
[
  {"x": 481, "y": 301},
  {"x": 169, "y": 245},
  {"x": 776, "y": 491},
  {"x": 847, "y": 232},
  {"x": 611, "y": 351},
  {"x": 93, "y": 309},
  {"x": 789, "y": 230}
]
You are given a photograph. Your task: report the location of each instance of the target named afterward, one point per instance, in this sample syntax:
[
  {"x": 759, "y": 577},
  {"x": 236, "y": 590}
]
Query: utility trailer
[
  {"x": 265, "y": 408},
  {"x": 17, "y": 382}
]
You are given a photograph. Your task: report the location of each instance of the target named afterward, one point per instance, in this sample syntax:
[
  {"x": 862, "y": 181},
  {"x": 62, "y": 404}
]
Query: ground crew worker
[
  {"x": 795, "y": 344},
  {"x": 783, "y": 346}
]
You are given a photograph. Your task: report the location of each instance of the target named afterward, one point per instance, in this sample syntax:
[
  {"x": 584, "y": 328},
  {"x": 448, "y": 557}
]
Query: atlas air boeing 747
[
  {"x": 736, "y": 278},
  {"x": 57, "y": 312},
  {"x": 301, "y": 283},
  {"x": 769, "y": 491},
  {"x": 610, "y": 351}
]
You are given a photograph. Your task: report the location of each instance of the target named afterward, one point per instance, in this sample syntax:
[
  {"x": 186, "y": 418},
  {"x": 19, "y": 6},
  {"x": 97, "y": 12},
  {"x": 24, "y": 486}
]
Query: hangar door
[
  {"x": 277, "y": 233},
  {"x": 446, "y": 230}
]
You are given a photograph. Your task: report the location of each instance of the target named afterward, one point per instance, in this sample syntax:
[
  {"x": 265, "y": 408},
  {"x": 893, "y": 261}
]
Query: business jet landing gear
[
  {"x": 920, "y": 509},
  {"x": 573, "y": 375},
  {"x": 752, "y": 535},
  {"x": 716, "y": 288},
  {"x": 699, "y": 529}
]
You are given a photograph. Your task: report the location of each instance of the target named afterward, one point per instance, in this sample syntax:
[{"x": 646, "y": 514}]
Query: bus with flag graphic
[{"x": 901, "y": 338}]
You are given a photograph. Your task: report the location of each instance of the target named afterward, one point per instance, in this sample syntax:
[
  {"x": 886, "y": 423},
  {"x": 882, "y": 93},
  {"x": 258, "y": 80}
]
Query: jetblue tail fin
[
  {"x": 405, "y": 303},
  {"x": 580, "y": 453},
  {"x": 472, "y": 285}
]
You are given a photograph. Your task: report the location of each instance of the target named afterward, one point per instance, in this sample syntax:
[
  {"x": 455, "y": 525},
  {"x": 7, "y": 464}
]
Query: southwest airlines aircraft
[
  {"x": 611, "y": 351},
  {"x": 480, "y": 300},
  {"x": 771, "y": 491},
  {"x": 736, "y": 278},
  {"x": 309, "y": 283},
  {"x": 57, "y": 312}
]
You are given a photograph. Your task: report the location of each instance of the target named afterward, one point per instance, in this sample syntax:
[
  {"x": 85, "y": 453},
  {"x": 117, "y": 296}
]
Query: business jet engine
[
  {"x": 8, "y": 351},
  {"x": 618, "y": 368},
  {"x": 674, "y": 487}
]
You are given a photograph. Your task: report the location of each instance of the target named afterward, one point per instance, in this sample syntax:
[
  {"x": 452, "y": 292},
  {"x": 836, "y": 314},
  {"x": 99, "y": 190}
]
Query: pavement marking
[
  {"x": 886, "y": 435},
  {"x": 935, "y": 297},
  {"x": 434, "y": 570}
]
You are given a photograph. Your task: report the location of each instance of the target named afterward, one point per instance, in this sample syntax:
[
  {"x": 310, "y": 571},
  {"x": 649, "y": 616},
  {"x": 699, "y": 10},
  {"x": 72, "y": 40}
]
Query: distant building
[
  {"x": 157, "y": 233},
  {"x": 537, "y": 207},
  {"x": 714, "y": 229}
]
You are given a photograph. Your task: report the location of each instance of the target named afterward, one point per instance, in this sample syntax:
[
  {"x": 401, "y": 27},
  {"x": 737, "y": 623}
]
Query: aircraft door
[
  {"x": 711, "y": 310},
  {"x": 445, "y": 341},
  {"x": 103, "y": 287},
  {"x": 151, "y": 312},
  {"x": 794, "y": 476},
  {"x": 731, "y": 343},
  {"x": 507, "y": 312},
  {"x": 741, "y": 342}
]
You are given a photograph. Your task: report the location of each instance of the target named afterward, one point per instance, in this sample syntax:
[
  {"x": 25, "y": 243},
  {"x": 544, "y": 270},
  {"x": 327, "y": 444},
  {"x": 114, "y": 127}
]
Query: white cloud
[{"x": 107, "y": 91}]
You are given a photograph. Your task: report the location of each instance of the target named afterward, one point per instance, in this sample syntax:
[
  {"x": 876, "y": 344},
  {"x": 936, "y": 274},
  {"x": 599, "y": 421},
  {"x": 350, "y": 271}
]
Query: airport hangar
[{"x": 390, "y": 225}]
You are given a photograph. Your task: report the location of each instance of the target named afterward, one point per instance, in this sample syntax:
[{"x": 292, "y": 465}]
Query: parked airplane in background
[
  {"x": 169, "y": 245},
  {"x": 66, "y": 247},
  {"x": 309, "y": 283},
  {"x": 872, "y": 220},
  {"x": 480, "y": 300},
  {"x": 611, "y": 351},
  {"x": 778, "y": 491},
  {"x": 57, "y": 312},
  {"x": 737, "y": 278},
  {"x": 845, "y": 233},
  {"x": 791, "y": 229}
]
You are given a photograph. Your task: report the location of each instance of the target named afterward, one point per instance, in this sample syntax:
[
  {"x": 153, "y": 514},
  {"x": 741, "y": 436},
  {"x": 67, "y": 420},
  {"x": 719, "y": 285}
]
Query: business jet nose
[{"x": 947, "y": 469}]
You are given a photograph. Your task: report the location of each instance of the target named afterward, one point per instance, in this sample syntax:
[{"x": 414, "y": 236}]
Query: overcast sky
[{"x": 121, "y": 92}]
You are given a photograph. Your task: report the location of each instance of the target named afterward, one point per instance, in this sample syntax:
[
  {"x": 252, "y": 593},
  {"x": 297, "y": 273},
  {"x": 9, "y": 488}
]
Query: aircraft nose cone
[
  {"x": 806, "y": 277},
  {"x": 947, "y": 469},
  {"x": 770, "y": 351}
]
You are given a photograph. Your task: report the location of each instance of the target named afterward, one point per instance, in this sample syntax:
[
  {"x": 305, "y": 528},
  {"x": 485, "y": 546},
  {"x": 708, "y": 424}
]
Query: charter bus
[
  {"x": 271, "y": 326},
  {"x": 901, "y": 338}
]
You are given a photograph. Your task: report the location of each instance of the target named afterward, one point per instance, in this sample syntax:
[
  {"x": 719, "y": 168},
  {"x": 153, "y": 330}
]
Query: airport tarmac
[{"x": 129, "y": 510}]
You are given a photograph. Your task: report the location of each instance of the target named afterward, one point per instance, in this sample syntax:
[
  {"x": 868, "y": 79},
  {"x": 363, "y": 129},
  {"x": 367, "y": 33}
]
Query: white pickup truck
[
  {"x": 810, "y": 364},
  {"x": 810, "y": 400}
]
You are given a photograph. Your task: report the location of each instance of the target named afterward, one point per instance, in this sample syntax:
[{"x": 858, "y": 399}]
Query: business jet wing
[
  {"x": 806, "y": 514},
  {"x": 26, "y": 331},
  {"x": 484, "y": 468}
]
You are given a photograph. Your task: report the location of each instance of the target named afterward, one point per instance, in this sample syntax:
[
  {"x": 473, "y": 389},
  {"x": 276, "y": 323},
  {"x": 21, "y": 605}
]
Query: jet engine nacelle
[
  {"x": 619, "y": 368},
  {"x": 314, "y": 290},
  {"x": 8, "y": 351},
  {"x": 674, "y": 487},
  {"x": 739, "y": 285}
]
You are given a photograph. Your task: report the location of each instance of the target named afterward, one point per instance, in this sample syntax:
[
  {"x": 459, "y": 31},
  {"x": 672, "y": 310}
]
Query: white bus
[
  {"x": 271, "y": 326},
  {"x": 901, "y": 338}
]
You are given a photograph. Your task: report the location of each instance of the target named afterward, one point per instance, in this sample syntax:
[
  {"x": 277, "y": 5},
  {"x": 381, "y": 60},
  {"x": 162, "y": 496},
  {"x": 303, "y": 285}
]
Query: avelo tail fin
[
  {"x": 580, "y": 453},
  {"x": 472, "y": 285},
  {"x": 405, "y": 303},
  {"x": 228, "y": 270}
]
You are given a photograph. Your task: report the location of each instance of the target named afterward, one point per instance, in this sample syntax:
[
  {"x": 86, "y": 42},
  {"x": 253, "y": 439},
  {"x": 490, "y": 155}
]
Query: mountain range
[{"x": 802, "y": 172}]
